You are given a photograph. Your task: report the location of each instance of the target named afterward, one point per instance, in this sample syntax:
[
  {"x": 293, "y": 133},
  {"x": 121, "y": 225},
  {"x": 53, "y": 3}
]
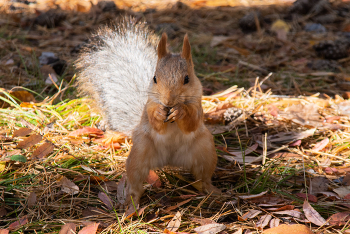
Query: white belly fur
[{"x": 173, "y": 147}]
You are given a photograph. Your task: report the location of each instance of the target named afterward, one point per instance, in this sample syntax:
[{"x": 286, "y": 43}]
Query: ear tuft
[
  {"x": 162, "y": 52},
  {"x": 186, "y": 49}
]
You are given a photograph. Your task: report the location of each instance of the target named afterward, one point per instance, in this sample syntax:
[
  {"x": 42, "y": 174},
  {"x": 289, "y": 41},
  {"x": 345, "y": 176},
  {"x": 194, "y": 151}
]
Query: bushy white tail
[{"x": 116, "y": 72}]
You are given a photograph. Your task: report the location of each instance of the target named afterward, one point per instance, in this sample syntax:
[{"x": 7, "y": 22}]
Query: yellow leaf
[{"x": 2, "y": 166}]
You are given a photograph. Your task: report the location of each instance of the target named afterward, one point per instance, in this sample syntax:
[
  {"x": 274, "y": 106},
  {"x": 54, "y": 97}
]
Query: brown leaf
[
  {"x": 18, "y": 223},
  {"x": 122, "y": 191},
  {"x": 175, "y": 222},
  {"x": 43, "y": 150},
  {"x": 68, "y": 228},
  {"x": 29, "y": 141},
  {"x": 290, "y": 136},
  {"x": 250, "y": 214},
  {"x": 293, "y": 213},
  {"x": 111, "y": 186},
  {"x": 339, "y": 219},
  {"x": 312, "y": 215},
  {"x": 22, "y": 132},
  {"x": 310, "y": 197},
  {"x": 246, "y": 151},
  {"x": 91, "y": 211},
  {"x": 342, "y": 191},
  {"x": 4, "y": 231},
  {"x": 90, "y": 229},
  {"x": 289, "y": 229},
  {"x": 31, "y": 200},
  {"x": 86, "y": 131},
  {"x": 22, "y": 96},
  {"x": 3, "y": 211},
  {"x": 153, "y": 179},
  {"x": 263, "y": 221},
  {"x": 210, "y": 228},
  {"x": 106, "y": 200},
  {"x": 321, "y": 145},
  {"x": 346, "y": 179},
  {"x": 177, "y": 205},
  {"x": 68, "y": 186},
  {"x": 274, "y": 222},
  {"x": 202, "y": 222},
  {"x": 330, "y": 195},
  {"x": 318, "y": 184},
  {"x": 253, "y": 196},
  {"x": 287, "y": 207}
]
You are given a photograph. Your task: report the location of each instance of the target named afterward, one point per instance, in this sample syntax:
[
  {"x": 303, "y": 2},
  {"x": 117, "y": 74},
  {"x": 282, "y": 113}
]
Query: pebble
[{"x": 317, "y": 28}]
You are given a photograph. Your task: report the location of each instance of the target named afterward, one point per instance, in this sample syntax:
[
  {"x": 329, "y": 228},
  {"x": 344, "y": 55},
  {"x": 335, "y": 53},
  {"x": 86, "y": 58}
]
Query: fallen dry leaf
[
  {"x": 106, "y": 200},
  {"x": 263, "y": 221},
  {"x": 21, "y": 95},
  {"x": 248, "y": 150},
  {"x": 250, "y": 214},
  {"x": 3, "y": 211},
  {"x": 110, "y": 186},
  {"x": 68, "y": 186},
  {"x": 202, "y": 222},
  {"x": 321, "y": 145},
  {"x": 31, "y": 201},
  {"x": 68, "y": 228},
  {"x": 210, "y": 228},
  {"x": 346, "y": 180},
  {"x": 29, "y": 141},
  {"x": 339, "y": 219},
  {"x": 22, "y": 132},
  {"x": 18, "y": 223},
  {"x": 275, "y": 222},
  {"x": 175, "y": 222},
  {"x": 170, "y": 208},
  {"x": 290, "y": 136},
  {"x": 330, "y": 195},
  {"x": 121, "y": 191},
  {"x": 253, "y": 196},
  {"x": 43, "y": 150},
  {"x": 86, "y": 131},
  {"x": 312, "y": 215},
  {"x": 91, "y": 211},
  {"x": 286, "y": 207},
  {"x": 153, "y": 179},
  {"x": 342, "y": 191},
  {"x": 293, "y": 213},
  {"x": 90, "y": 229},
  {"x": 318, "y": 184},
  {"x": 310, "y": 197},
  {"x": 290, "y": 229}
]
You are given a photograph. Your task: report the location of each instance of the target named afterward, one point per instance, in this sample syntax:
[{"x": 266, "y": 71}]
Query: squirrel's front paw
[
  {"x": 176, "y": 113},
  {"x": 161, "y": 113}
]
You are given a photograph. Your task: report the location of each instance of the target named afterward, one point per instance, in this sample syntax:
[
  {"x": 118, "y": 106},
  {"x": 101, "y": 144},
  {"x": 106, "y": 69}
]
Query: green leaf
[{"x": 19, "y": 158}]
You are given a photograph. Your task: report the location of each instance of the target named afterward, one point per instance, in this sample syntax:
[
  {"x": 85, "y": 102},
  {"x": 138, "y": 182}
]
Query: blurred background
[{"x": 304, "y": 43}]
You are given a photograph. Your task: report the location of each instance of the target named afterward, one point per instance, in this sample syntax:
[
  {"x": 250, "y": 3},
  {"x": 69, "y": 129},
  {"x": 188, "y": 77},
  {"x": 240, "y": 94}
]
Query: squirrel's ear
[
  {"x": 186, "y": 49},
  {"x": 162, "y": 52}
]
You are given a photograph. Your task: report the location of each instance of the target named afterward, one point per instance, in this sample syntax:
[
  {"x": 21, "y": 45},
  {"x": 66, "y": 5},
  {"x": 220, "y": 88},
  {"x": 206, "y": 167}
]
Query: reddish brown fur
[{"x": 184, "y": 143}]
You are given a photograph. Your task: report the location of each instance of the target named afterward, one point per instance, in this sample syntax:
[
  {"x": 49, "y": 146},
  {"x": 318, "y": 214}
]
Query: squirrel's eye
[
  {"x": 155, "y": 79},
  {"x": 186, "y": 80}
]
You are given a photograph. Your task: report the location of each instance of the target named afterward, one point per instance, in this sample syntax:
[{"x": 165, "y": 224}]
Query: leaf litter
[{"x": 295, "y": 120}]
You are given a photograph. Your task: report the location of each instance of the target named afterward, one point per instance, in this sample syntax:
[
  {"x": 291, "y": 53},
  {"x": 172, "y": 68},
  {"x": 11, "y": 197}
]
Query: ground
[{"x": 275, "y": 79}]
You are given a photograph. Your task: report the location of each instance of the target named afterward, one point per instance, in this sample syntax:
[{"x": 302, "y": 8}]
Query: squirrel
[{"x": 144, "y": 89}]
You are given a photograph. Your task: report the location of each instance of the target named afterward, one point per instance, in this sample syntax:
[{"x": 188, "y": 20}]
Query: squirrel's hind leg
[
  {"x": 204, "y": 162},
  {"x": 138, "y": 166}
]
